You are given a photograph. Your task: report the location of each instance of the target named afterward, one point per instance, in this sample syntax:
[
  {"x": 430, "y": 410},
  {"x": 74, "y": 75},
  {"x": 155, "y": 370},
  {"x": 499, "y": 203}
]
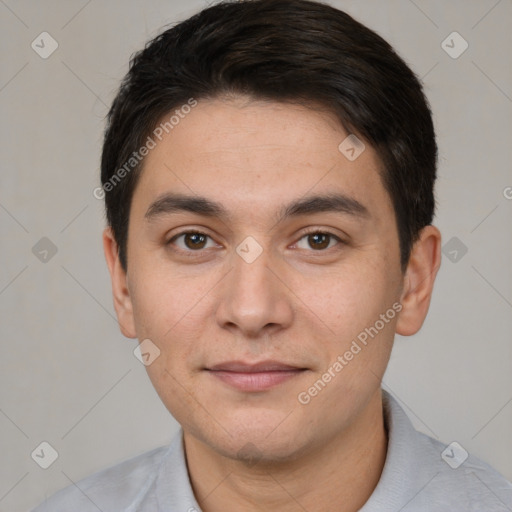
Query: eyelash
[{"x": 194, "y": 254}]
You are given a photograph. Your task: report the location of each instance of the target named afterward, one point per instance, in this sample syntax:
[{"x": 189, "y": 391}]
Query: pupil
[
  {"x": 196, "y": 240},
  {"x": 316, "y": 241}
]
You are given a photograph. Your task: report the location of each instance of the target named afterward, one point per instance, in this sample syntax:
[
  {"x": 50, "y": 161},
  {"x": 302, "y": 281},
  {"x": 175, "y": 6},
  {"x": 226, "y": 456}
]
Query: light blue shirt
[{"x": 420, "y": 474}]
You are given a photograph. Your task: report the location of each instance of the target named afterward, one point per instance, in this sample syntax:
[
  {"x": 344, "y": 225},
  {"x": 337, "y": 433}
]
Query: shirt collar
[
  {"x": 173, "y": 486},
  {"x": 409, "y": 465}
]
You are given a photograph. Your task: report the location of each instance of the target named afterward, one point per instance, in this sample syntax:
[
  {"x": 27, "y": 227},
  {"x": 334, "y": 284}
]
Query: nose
[{"x": 255, "y": 300}]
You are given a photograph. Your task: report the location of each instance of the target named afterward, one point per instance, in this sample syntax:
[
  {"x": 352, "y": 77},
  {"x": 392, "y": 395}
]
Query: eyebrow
[{"x": 175, "y": 203}]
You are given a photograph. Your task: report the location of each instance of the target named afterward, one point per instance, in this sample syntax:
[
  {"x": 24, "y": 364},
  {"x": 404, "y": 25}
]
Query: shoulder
[
  {"x": 422, "y": 473},
  {"x": 113, "y": 488},
  {"x": 464, "y": 480}
]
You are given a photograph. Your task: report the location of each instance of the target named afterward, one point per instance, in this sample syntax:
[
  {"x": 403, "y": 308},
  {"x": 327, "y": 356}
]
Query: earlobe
[
  {"x": 424, "y": 262},
  {"x": 120, "y": 291}
]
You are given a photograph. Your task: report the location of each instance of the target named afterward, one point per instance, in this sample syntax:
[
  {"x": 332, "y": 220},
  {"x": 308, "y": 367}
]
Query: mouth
[{"x": 254, "y": 377}]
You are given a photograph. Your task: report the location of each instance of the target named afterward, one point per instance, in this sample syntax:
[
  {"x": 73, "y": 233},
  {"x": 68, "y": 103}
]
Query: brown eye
[
  {"x": 195, "y": 240},
  {"x": 190, "y": 241},
  {"x": 318, "y": 241}
]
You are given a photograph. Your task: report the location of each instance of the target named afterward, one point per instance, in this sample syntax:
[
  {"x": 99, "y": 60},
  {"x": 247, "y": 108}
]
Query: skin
[{"x": 296, "y": 303}]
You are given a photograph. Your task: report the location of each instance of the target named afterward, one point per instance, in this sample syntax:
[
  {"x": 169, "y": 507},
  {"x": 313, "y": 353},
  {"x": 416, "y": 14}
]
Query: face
[{"x": 261, "y": 276}]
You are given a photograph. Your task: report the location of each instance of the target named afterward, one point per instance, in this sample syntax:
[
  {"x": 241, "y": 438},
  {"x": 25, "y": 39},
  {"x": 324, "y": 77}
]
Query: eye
[
  {"x": 195, "y": 241},
  {"x": 318, "y": 240},
  {"x": 191, "y": 241}
]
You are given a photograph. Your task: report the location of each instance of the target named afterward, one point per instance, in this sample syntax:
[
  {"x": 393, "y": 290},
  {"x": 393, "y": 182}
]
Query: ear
[
  {"x": 121, "y": 294},
  {"x": 420, "y": 275}
]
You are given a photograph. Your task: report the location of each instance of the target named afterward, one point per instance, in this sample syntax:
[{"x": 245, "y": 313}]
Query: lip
[
  {"x": 254, "y": 377},
  {"x": 262, "y": 366}
]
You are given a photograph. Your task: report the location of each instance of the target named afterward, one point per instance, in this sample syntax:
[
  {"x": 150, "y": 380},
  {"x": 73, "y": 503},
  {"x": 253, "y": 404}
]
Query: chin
[
  {"x": 259, "y": 450},
  {"x": 264, "y": 438}
]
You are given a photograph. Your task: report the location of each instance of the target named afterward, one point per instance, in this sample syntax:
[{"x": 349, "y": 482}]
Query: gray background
[{"x": 70, "y": 378}]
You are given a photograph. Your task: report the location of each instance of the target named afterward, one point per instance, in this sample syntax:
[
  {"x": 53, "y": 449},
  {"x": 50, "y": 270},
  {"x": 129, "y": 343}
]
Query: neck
[{"x": 341, "y": 474}]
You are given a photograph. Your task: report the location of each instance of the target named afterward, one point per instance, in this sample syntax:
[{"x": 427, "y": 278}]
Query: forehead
[{"x": 255, "y": 156}]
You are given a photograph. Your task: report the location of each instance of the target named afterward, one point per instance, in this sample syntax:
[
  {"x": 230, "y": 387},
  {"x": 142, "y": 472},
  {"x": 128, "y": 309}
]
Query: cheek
[
  {"x": 176, "y": 391},
  {"x": 354, "y": 309},
  {"x": 348, "y": 300},
  {"x": 171, "y": 312},
  {"x": 163, "y": 300}
]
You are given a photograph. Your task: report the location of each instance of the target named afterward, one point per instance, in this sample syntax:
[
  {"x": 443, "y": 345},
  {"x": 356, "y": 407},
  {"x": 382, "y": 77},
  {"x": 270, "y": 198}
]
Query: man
[{"x": 268, "y": 171}]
